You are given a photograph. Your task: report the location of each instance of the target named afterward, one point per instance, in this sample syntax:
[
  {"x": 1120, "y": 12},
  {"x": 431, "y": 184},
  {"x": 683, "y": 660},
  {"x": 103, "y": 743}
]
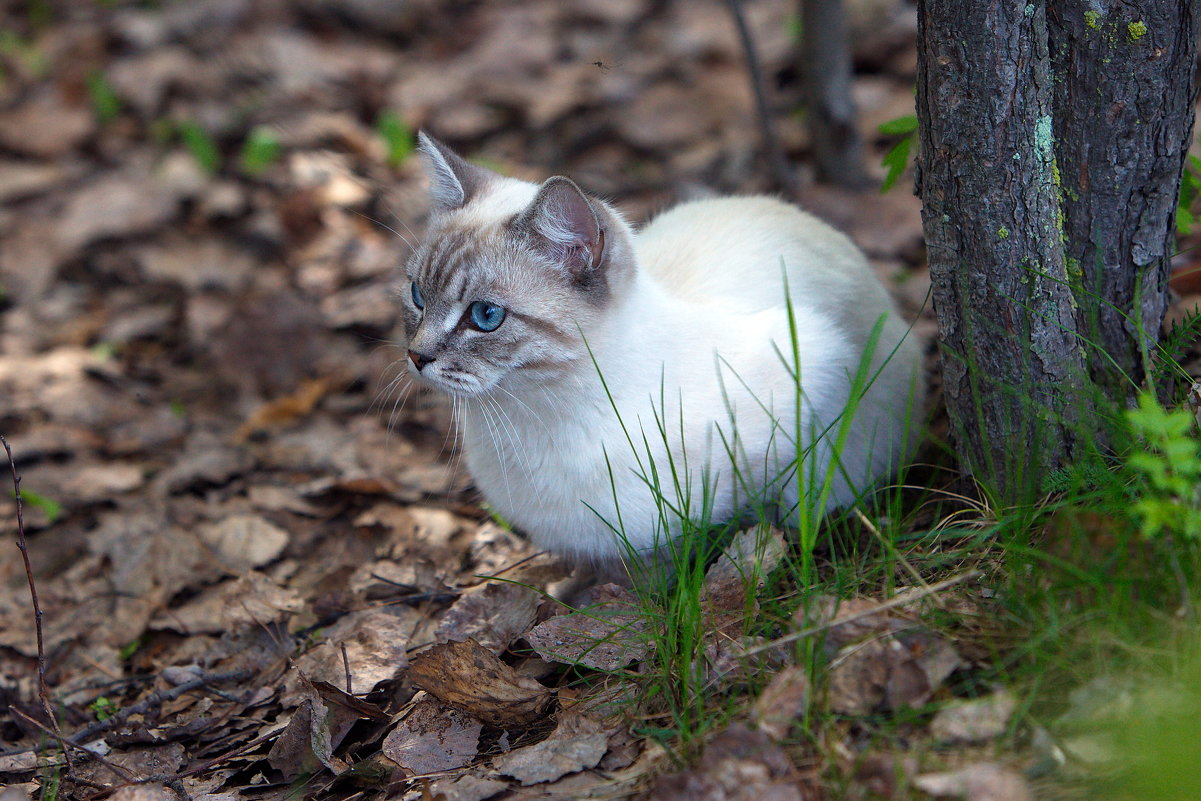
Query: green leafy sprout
[
  {"x": 398, "y": 137},
  {"x": 1167, "y": 470},
  {"x": 200, "y": 144},
  {"x": 106, "y": 104},
  {"x": 897, "y": 158},
  {"x": 260, "y": 150}
]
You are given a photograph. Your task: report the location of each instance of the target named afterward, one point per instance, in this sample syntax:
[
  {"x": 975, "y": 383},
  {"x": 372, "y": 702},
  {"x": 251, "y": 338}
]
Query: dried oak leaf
[
  {"x": 433, "y": 738},
  {"x": 469, "y": 677},
  {"x": 607, "y": 634},
  {"x": 576, "y": 744}
]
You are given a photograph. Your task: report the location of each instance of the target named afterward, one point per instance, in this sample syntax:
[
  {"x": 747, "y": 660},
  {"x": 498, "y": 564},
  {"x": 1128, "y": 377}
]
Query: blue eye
[
  {"x": 486, "y": 316},
  {"x": 418, "y": 298}
]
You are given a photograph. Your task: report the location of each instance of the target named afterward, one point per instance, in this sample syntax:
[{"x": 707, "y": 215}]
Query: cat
[{"x": 589, "y": 364}]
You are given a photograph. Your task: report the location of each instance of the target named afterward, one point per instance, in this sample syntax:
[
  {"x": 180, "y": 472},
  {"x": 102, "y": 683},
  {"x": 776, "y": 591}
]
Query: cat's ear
[
  {"x": 564, "y": 222},
  {"x": 453, "y": 181}
]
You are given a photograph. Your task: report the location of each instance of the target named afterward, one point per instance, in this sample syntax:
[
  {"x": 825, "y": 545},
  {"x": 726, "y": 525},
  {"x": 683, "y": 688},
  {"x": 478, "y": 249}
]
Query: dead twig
[
  {"x": 900, "y": 600},
  {"x": 43, "y": 685},
  {"x": 346, "y": 667},
  {"x": 780, "y": 168},
  {"x": 120, "y": 772}
]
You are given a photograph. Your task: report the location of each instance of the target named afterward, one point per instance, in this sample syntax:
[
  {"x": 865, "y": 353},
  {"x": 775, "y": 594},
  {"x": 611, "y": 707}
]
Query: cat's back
[{"x": 738, "y": 249}]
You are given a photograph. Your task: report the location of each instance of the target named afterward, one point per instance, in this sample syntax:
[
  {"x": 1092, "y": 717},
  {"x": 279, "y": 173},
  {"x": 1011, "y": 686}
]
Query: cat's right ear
[{"x": 453, "y": 181}]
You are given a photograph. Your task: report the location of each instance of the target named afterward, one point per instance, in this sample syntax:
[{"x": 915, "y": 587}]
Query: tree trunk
[
  {"x": 1046, "y": 173},
  {"x": 826, "y": 71},
  {"x": 1125, "y": 101}
]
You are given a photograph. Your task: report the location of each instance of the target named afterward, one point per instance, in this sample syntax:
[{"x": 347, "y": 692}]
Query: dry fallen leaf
[
  {"x": 576, "y": 744},
  {"x": 782, "y": 701},
  {"x": 467, "y": 787},
  {"x": 469, "y": 677},
  {"x": 433, "y": 738},
  {"x": 493, "y": 614},
  {"x": 253, "y": 599},
  {"x": 376, "y": 643},
  {"x": 740, "y": 764},
  {"x": 242, "y": 542},
  {"x": 974, "y": 721},
  {"x": 286, "y": 410},
  {"x": 982, "y": 781},
  {"x": 607, "y": 633},
  {"x": 317, "y": 728}
]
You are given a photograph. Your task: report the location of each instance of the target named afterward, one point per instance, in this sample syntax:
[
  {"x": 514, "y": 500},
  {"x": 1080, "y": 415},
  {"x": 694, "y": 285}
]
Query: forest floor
[{"x": 262, "y": 574}]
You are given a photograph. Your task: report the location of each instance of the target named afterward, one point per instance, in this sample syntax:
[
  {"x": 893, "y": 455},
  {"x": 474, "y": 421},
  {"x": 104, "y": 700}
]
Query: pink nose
[{"x": 419, "y": 360}]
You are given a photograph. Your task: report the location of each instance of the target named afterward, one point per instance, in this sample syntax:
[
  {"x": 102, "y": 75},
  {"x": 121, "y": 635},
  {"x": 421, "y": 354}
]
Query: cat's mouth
[{"x": 452, "y": 382}]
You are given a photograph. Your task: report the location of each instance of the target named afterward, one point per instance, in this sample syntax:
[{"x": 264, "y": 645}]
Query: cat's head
[{"x": 510, "y": 278}]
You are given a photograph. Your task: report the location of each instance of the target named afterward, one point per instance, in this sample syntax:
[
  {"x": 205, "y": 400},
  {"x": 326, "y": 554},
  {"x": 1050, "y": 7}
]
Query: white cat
[{"x": 611, "y": 381}]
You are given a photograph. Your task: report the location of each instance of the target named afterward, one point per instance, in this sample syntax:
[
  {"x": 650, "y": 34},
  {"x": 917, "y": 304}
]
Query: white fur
[{"x": 694, "y": 346}]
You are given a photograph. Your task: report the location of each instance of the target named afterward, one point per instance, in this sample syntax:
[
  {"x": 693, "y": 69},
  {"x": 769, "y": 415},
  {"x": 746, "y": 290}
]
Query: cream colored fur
[{"x": 695, "y": 347}]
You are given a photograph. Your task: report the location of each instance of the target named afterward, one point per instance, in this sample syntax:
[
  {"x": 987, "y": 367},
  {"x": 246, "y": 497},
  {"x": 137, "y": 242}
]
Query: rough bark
[
  {"x": 990, "y": 211},
  {"x": 1049, "y": 167},
  {"x": 825, "y": 62},
  {"x": 1124, "y": 120}
]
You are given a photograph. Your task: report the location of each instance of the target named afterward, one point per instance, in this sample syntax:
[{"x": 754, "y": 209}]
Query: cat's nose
[{"x": 419, "y": 360}]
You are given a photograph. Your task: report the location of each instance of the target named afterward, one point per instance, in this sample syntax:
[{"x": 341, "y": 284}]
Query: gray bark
[
  {"x": 1125, "y": 98},
  {"x": 990, "y": 211},
  {"x": 826, "y": 71}
]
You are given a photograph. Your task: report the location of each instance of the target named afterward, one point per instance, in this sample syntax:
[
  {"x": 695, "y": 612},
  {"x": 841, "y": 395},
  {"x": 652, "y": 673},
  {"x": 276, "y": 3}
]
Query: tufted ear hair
[
  {"x": 453, "y": 181},
  {"x": 564, "y": 223}
]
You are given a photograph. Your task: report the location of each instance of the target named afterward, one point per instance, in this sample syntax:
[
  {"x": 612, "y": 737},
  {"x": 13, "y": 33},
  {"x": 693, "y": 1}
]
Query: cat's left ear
[
  {"x": 453, "y": 181},
  {"x": 564, "y": 221}
]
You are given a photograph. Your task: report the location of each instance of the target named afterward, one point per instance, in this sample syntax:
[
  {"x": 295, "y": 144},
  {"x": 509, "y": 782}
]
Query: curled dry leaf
[
  {"x": 469, "y": 677},
  {"x": 606, "y": 634},
  {"x": 433, "y": 738},
  {"x": 576, "y": 744},
  {"x": 317, "y": 728}
]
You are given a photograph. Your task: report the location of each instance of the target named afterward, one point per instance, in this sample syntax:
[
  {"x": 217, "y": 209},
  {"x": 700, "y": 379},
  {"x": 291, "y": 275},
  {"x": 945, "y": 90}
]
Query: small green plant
[
  {"x": 1167, "y": 470},
  {"x": 260, "y": 150},
  {"x": 130, "y": 648},
  {"x": 397, "y": 136},
  {"x": 52, "y": 509},
  {"x": 106, "y": 104},
  {"x": 103, "y": 708},
  {"x": 200, "y": 144},
  {"x": 897, "y": 158},
  {"x": 1190, "y": 188},
  {"x": 51, "y": 782}
]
